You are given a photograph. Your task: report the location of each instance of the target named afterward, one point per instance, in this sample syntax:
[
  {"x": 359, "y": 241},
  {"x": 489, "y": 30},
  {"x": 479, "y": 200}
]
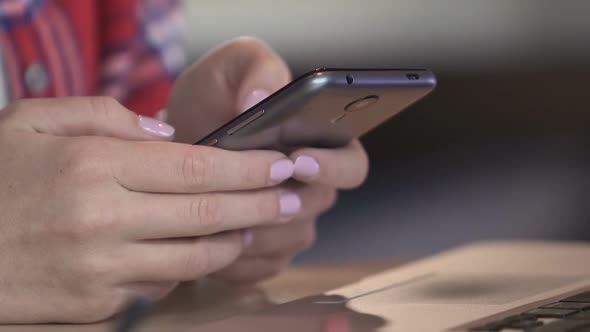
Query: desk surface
[{"x": 197, "y": 303}]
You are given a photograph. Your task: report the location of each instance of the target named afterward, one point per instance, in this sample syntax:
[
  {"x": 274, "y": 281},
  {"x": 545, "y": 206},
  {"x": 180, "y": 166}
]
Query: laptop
[{"x": 490, "y": 286}]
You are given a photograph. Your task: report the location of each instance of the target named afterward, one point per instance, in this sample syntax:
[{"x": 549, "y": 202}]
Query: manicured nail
[
  {"x": 254, "y": 98},
  {"x": 290, "y": 204},
  {"x": 281, "y": 170},
  {"x": 306, "y": 167},
  {"x": 247, "y": 237},
  {"x": 155, "y": 127}
]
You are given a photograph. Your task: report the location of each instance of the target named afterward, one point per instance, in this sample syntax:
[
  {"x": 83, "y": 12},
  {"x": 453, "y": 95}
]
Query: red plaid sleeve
[{"x": 142, "y": 52}]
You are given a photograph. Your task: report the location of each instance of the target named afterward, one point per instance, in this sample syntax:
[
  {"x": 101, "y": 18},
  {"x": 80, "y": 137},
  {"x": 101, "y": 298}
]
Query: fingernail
[
  {"x": 281, "y": 170},
  {"x": 306, "y": 167},
  {"x": 247, "y": 237},
  {"x": 155, "y": 127},
  {"x": 290, "y": 204},
  {"x": 254, "y": 98}
]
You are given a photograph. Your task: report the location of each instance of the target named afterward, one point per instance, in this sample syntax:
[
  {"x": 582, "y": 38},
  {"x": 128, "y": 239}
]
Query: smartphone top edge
[
  {"x": 324, "y": 69},
  {"x": 425, "y": 76}
]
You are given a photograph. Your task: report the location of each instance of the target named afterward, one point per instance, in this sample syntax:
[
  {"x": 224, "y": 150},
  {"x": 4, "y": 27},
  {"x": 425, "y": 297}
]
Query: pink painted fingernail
[
  {"x": 155, "y": 127},
  {"x": 247, "y": 237},
  {"x": 254, "y": 98},
  {"x": 306, "y": 167},
  {"x": 281, "y": 170},
  {"x": 290, "y": 204}
]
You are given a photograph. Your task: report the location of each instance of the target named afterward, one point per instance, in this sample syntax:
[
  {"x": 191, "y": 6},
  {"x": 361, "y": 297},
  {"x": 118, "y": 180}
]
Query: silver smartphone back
[{"x": 324, "y": 108}]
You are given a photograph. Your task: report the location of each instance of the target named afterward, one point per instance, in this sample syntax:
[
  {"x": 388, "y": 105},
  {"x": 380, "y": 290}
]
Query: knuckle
[
  {"x": 196, "y": 169},
  {"x": 197, "y": 263},
  {"x": 212, "y": 256},
  {"x": 104, "y": 106},
  {"x": 253, "y": 175},
  {"x": 82, "y": 223},
  {"x": 206, "y": 210},
  {"x": 81, "y": 161},
  {"x": 94, "y": 270}
]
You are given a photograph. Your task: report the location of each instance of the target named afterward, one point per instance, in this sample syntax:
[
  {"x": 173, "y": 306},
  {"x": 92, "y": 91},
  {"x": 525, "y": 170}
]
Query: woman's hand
[
  {"x": 320, "y": 173},
  {"x": 225, "y": 82},
  {"x": 229, "y": 80},
  {"x": 95, "y": 207}
]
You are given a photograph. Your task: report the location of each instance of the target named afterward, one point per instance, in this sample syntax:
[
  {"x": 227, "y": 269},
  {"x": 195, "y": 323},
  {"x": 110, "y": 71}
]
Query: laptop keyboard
[{"x": 571, "y": 314}]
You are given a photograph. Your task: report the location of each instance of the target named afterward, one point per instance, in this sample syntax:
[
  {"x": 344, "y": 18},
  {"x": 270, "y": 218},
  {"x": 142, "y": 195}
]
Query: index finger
[{"x": 180, "y": 168}]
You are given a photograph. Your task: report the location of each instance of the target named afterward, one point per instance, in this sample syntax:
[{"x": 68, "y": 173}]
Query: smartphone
[{"x": 324, "y": 108}]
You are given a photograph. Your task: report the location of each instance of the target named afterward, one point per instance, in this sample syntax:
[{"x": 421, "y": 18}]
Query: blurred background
[{"x": 500, "y": 150}]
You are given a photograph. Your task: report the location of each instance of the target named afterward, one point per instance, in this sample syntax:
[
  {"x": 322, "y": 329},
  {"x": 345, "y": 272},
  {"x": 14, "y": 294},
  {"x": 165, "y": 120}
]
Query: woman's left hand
[
  {"x": 229, "y": 80},
  {"x": 319, "y": 174}
]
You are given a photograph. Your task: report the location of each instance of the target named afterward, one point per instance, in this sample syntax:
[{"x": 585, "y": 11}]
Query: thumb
[
  {"x": 225, "y": 82},
  {"x": 84, "y": 116},
  {"x": 258, "y": 72}
]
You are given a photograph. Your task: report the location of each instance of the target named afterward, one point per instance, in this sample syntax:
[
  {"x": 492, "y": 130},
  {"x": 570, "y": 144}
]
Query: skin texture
[{"x": 95, "y": 208}]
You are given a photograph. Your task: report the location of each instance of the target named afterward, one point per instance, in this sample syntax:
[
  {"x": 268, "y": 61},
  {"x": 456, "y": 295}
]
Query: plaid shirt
[{"x": 128, "y": 49}]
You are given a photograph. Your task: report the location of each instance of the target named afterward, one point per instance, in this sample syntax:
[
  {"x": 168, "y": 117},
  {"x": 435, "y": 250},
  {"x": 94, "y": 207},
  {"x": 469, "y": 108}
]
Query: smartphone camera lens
[
  {"x": 349, "y": 79},
  {"x": 361, "y": 103},
  {"x": 413, "y": 77}
]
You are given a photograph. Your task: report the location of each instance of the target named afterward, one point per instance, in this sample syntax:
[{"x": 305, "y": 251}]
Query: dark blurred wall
[{"x": 500, "y": 150}]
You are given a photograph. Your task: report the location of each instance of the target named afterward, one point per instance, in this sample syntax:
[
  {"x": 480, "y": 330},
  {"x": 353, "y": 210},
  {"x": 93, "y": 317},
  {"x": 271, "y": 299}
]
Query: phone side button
[{"x": 245, "y": 122}]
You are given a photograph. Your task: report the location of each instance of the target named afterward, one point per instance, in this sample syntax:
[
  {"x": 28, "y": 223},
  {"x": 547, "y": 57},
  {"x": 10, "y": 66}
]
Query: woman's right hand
[{"x": 95, "y": 207}]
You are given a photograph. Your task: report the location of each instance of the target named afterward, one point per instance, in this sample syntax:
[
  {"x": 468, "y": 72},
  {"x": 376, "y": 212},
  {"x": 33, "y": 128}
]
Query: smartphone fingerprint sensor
[{"x": 338, "y": 118}]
